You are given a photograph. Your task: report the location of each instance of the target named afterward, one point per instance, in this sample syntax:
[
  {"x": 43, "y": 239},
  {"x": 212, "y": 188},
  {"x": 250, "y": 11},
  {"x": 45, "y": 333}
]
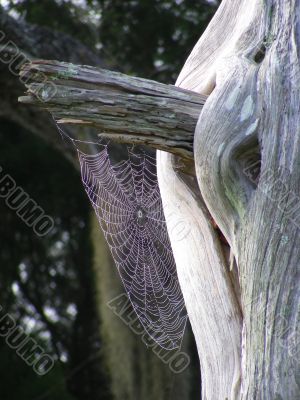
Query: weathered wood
[
  {"x": 202, "y": 269},
  {"x": 248, "y": 62},
  {"x": 123, "y": 108},
  {"x": 204, "y": 280}
]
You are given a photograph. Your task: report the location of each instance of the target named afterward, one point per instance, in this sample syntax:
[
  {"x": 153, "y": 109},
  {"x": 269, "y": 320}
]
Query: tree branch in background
[{"x": 35, "y": 41}]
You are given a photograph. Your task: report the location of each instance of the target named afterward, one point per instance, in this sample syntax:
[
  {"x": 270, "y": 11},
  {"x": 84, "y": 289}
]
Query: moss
[
  {"x": 234, "y": 196},
  {"x": 269, "y": 40},
  {"x": 71, "y": 71}
]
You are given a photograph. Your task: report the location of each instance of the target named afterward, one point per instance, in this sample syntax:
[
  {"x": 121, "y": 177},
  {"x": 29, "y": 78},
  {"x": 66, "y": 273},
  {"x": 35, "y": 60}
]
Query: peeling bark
[{"x": 120, "y": 107}]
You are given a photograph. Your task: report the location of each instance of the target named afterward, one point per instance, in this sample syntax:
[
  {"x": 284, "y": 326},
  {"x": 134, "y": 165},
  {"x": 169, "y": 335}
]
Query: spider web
[
  {"x": 126, "y": 199},
  {"x": 127, "y": 202}
]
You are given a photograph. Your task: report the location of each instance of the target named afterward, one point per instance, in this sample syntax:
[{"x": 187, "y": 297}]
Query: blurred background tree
[{"x": 57, "y": 286}]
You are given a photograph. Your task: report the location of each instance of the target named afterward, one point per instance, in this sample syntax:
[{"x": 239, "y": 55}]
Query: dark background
[{"x": 56, "y": 287}]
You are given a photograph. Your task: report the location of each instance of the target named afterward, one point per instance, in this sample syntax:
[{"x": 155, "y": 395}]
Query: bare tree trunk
[{"x": 247, "y": 61}]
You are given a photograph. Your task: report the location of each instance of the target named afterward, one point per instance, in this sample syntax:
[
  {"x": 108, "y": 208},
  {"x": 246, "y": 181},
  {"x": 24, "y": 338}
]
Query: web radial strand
[{"x": 127, "y": 201}]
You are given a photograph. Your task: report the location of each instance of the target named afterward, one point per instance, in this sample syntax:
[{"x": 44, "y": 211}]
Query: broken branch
[{"x": 121, "y": 107}]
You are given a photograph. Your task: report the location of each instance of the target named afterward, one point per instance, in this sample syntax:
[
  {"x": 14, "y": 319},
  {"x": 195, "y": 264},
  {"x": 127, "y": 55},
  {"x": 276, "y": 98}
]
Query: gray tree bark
[
  {"x": 120, "y": 107},
  {"x": 246, "y": 152}
]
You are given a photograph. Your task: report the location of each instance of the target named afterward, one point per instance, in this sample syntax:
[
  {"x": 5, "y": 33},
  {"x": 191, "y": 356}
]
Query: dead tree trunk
[
  {"x": 244, "y": 308},
  {"x": 248, "y": 62}
]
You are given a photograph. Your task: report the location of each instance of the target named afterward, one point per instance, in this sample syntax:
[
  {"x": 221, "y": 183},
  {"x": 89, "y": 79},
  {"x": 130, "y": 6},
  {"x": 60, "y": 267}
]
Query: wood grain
[
  {"x": 247, "y": 61},
  {"x": 123, "y": 108}
]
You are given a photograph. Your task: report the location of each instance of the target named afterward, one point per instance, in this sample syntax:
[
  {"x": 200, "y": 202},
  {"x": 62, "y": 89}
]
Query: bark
[
  {"x": 120, "y": 107},
  {"x": 247, "y": 60}
]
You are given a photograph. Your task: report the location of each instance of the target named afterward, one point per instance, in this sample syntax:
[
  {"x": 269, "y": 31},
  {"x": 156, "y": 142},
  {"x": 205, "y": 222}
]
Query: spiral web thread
[{"x": 127, "y": 202}]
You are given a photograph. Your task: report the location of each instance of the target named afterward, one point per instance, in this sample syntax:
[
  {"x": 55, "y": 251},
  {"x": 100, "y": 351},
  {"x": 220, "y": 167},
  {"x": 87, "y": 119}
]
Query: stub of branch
[{"x": 123, "y": 108}]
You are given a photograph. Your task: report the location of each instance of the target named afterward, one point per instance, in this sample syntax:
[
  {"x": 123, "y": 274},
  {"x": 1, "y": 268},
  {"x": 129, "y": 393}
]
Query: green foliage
[
  {"x": 24, "y": 159},
  {"x": 21, "y": 382},
  {"x": 149, "y": 38},
  {"x": 152, "y": 38},
  {"x": 48, "y": 281},
  {"x": 63, "y": 16}
]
